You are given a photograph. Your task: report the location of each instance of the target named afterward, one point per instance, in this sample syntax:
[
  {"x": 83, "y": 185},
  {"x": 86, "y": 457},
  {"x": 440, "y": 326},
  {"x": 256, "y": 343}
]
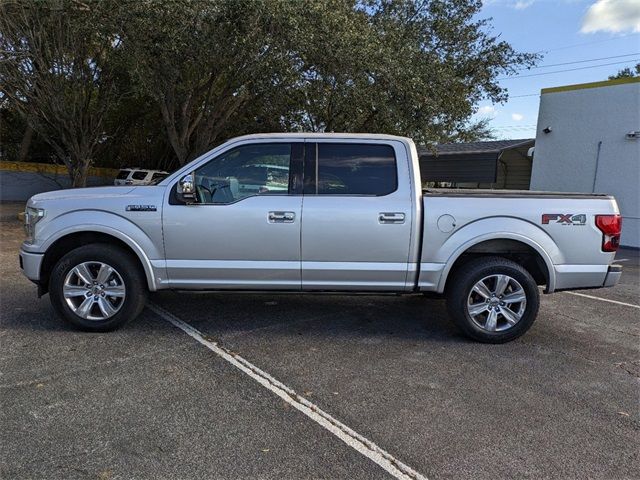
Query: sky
[{"x": 592, "y": 32}]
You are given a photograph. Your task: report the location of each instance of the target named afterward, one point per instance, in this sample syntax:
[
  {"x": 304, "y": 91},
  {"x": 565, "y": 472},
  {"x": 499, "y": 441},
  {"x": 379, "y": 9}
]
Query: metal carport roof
[{"x": 465, "y": 162}]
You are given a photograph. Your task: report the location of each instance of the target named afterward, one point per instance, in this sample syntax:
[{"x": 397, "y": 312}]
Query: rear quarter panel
[{"x": 565, "y": 247}]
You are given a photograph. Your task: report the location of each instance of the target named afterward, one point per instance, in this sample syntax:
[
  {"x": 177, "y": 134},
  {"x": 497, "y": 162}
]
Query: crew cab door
[
  {"x": 357, "y": 216},
  {"x": 244, "y": 230}
]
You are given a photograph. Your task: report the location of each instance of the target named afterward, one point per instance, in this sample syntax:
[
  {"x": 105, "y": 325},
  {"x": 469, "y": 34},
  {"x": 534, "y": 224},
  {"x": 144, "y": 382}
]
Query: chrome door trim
[
  {"x": 235, "y": 274},
  {"x": 391, "y": 217},
  {"x": 358, "y": 276}
]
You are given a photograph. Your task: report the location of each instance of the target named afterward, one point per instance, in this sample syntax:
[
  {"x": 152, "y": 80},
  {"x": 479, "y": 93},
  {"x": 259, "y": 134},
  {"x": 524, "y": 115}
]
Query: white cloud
[
  {"x": 612, "y": 16},
  {"x": 518, "y": 117},
  {"x": 522, "y": 4},
  {"x": 487, "y": 111}
]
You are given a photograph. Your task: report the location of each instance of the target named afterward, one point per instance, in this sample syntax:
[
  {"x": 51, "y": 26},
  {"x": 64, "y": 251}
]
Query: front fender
[
  {"x": 498, "y": 228},
  {"x": 139, "y": 240}
]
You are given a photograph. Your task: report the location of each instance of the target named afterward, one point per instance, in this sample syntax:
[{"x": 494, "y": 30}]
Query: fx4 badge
[
  {"x": 564, "y": 218},
  {"x": 141, "y": 208}
]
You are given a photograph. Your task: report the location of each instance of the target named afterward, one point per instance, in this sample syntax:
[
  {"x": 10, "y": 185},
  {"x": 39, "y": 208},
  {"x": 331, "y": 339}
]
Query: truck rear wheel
[
  {"x": 493, "y": 299},
  {"x": 98, "y": 287}
]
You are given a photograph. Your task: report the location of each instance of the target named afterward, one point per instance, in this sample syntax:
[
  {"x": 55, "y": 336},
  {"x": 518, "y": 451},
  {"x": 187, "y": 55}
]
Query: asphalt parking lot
[{"x": 150, "y": 401}]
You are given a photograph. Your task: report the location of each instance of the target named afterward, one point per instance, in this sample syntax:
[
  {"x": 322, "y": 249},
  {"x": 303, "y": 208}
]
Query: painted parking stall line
[
  {"x": 349, "y": 436},
  {"x": 604, "y": 299}
]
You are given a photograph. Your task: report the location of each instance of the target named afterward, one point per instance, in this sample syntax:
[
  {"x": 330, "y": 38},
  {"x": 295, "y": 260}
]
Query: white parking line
[
  {"x": 356, "y": 441},
  {"x": 604, "y": 299}
]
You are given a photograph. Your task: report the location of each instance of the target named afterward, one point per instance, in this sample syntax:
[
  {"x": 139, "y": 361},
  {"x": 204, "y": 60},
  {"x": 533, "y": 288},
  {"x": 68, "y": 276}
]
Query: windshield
[{"x": 157, "y": 178}]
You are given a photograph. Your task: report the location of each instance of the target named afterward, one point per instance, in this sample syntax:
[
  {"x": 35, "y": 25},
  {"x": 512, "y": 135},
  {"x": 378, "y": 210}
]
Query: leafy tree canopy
[
  {"x": 627, "y": 72},
  {"x": 202, "y": 71}
]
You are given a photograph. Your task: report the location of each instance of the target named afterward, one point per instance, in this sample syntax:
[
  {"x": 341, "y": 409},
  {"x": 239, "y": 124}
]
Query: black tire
[
  {"x": 125, "y": 264},
  {"x": 460, "y": 287}
]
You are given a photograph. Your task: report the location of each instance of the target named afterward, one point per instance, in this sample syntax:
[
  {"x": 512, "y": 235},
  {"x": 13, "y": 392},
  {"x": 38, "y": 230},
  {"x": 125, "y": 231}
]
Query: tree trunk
[
  {"x": 25, "y": 144},
  {"x": 80, "y": 176},
  {"x": 179, "y": 143},
  {"x": 79, "y": 171}
]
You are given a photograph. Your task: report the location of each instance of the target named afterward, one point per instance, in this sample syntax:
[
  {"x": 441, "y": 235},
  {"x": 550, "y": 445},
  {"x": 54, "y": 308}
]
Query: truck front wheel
[
  {"x": 97, "y": 287},
  {"x": 493, "y": 299}
]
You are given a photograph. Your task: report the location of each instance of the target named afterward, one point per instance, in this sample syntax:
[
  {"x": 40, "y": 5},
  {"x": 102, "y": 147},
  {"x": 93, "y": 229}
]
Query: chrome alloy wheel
[
  {"x": 94, "y": 290},
  {"x": 496, "y": 303}
]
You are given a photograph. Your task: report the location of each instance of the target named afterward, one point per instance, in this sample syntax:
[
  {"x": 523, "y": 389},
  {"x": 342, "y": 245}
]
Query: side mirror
[{"x": 186, "y": 189}]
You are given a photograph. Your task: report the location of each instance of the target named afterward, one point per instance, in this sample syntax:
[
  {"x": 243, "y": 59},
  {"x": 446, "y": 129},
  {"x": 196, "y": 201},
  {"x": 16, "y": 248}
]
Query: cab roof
[{"x": 303, "y": 135}]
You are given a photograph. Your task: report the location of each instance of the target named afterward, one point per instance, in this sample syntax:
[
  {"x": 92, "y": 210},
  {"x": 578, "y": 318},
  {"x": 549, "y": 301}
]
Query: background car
[{"x": 138, "y": 176}]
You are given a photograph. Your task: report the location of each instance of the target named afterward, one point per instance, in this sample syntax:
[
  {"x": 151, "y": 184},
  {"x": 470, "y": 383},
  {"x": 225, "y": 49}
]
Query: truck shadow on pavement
[{"x": 228, "y": 315}]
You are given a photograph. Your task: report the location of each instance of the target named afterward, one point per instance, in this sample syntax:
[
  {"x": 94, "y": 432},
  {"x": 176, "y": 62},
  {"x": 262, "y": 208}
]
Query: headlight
[{"x": 31, "y": 217}]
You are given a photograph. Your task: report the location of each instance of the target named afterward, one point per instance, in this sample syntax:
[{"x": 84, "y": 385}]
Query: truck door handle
[
  {"x": 391, "y": 217},
  {"x": 281, "y": 217}
]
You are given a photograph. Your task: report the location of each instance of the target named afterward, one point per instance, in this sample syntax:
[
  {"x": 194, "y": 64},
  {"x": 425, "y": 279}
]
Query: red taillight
[{"x": 611, "y": 227}]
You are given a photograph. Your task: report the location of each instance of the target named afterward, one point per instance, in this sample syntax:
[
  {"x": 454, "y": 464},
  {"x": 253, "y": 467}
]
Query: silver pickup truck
[{"x": 317, "y": 212}]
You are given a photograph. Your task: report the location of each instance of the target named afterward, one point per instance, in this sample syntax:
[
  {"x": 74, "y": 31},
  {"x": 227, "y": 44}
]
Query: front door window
[{"x": 249, "y": 170}]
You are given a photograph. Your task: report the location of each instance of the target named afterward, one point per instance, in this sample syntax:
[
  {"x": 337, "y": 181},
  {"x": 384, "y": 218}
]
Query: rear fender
[{"x": 499, "y": 228}]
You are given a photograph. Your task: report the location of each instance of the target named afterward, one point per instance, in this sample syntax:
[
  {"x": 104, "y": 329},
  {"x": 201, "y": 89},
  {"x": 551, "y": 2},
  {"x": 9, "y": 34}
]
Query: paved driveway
[{"x": 151, "y": 401}]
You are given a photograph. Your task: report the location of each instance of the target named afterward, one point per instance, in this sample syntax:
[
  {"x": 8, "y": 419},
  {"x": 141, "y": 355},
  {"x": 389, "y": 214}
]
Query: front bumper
[
  {"x": 30, "y": 264},
  {"x": 613, "y": 276}
]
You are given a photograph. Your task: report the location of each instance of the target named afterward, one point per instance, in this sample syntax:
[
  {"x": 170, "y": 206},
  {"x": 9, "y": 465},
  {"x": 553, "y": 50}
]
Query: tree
[
  {"x": 55, "y": 69},
  {"x": 627, "y": 72},
  {"x": 403, "y": 67},
  {"x": 160, "y": 82},
  {"x": 202, "y": 62}
]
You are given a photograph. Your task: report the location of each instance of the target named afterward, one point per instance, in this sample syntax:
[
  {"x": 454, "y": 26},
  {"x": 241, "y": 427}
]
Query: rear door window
[
  {"x": 122, "y": 174},
  {"x": 356, "y": 169},
  {"x": 139, "y": 175}
]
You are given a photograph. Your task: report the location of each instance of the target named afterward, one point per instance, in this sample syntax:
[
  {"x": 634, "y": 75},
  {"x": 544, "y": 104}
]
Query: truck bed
[
  {"x": 477, "y": 192},
  {"x": 559, "y": 226}
]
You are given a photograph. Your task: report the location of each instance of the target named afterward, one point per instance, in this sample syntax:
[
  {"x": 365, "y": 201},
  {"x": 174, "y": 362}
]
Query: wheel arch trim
[
  {"x": 106, "y": 230},
  {"x": 551, "y": 273}
]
